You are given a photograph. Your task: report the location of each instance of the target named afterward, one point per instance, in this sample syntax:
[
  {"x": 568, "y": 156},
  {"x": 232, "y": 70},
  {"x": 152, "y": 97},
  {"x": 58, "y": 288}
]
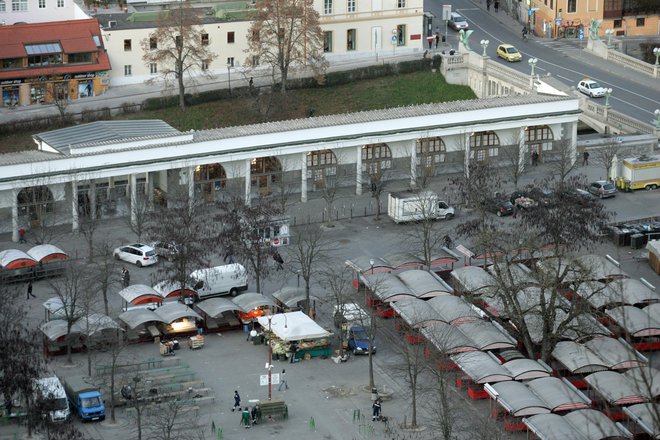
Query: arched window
[
  {"x": 430, "y": 152},
  {"x": 376, "y": 158},
  {"x": 209, "y": 180},
  {"x": 265, "y": 171},
  {"x": 484, "y": 144},
  {"x": 538, "y": 139},
  {"x": 321, "y": 165}
]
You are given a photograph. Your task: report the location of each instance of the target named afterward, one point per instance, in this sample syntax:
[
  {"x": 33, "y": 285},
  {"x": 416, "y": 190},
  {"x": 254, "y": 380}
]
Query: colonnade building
[{"x": 104, "y": 168}]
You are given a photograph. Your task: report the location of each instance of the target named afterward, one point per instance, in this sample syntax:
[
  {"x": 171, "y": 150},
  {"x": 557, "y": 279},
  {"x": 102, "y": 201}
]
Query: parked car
[
  {"x": 358, "y": 341},
  {"x": 457, "y": 22},
  {"x": 164, "y": 249},
  {"x": 591, "y": 88},
  {"x": 137, "y": 253},
  {"x": 499, "y": 207},
  {"x": 602, "y": 189},
  {"x": 508, "y": 52},
  {"x": 583, "y": 197}
]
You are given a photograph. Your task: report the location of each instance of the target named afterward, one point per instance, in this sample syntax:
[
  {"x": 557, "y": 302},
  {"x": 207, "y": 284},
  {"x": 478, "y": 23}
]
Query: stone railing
[
  {"x": 631, "y": 63},
  {"x": 616, "y": 121},
  {"x": 506, "y": 74}
]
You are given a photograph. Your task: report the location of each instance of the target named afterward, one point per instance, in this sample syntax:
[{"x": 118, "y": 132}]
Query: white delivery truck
[
  {"x": 640, "y": 172},
  {"x": 219, "y": 280},
  {"x": 51, "y": 395},
  {"x": 410, "y": 206}
]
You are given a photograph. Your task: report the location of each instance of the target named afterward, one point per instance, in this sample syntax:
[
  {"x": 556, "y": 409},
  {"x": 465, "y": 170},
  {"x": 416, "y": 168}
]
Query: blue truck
[{"x": 85, "y": 399}]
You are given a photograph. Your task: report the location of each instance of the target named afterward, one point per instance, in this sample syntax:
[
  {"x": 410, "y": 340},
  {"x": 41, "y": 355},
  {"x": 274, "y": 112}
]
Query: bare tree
[
  {"x": 284, "y": 188},
  {"x": 286, "y": 35},
  {"x": 514, "y": 166},
  {"x": 310, "y": 249},
  {"x": 179, "y": 47},
  {"x": 72, "y": 291},
  {"x": 105, "y": 272},
  {"x": 140, "y": 213},
  {"x": 606, "y": 155},
  {"x": 116, "y": 351},
  {"x": 479, "y": 183},
  {"x": 378, "y": 182},
  {"x": 172, "y": 420},
  {"x": 337, "y": 281},
  {"x": 58, "y": 94},
  {"x": 88, "y": 224},
  {"x": 564, "y": 161},
  {"x": 242, "y": 232}
]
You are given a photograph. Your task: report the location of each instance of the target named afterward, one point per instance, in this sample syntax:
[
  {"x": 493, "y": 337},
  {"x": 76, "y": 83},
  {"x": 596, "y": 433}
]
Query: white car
[
  {"x": 591, "y": 88},
  {"x": 137, "y": 253}
]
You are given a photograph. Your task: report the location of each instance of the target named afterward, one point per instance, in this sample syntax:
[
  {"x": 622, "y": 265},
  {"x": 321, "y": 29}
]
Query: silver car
[
  {"x": 602, "y": 189},
  {"x": 457, "y": 22}
]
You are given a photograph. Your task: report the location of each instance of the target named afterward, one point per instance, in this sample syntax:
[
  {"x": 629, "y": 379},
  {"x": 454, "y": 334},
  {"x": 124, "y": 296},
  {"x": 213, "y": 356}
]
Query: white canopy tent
[{"x": 293, "y": 326}]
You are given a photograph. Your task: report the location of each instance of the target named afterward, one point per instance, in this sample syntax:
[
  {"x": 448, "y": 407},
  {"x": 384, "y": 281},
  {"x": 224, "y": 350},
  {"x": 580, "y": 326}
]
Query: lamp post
[
  {"x": 269, "y": 365},
  {"x": 656, "y": 52},
  {"x": 532, "y": 62},
  {"x": 298, "y": 273},
  {"x": 608, "y": 92},
  {"x": 609, "y": 33},
  {"x": 484, "y": 44}
]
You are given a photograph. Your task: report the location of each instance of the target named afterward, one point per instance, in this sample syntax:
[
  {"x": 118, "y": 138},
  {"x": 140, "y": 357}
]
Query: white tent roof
[
  {"x": 10, "y": 255},
  {"x": 43, "y": 250},
  {"x": 293, "y": 326}
]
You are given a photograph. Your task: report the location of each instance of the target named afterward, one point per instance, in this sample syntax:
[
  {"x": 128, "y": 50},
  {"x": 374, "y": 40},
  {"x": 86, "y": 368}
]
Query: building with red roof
[{"x": 44, "y": 62}]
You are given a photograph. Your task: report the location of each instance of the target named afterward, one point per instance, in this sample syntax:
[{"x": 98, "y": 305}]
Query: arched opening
[
  {"x": 321, "y": 166},
  {"x": 430, "y": 153},
  {"x": 264, "y": 172},
  {"x": 538, "y": 139},
  {"x": 210, "y": 180},
  {"x": 376, "y": 158},
  {"x": 34, "y": 203},
  {"x": 484, "y": 145}
]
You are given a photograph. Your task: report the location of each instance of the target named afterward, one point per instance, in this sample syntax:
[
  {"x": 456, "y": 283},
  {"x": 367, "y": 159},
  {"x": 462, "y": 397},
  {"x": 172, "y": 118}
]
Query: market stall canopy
[
  {"x": 616, "y": 388},
  {"x": 250, "y": 301},
  {"x": 47, "y": 252},
  {"x": 645, "y": 378},
  {"x": 517, "y": 275},
  {"x": 630, "y": 291},
  {"x": 214, "y": 307},
  {"x": 95, "y": 323},
  {"x": 15, "y": 259},
  {"x": 172, "y": 289},
  {"x": 140, "y": 294},
  {"x": 559, "y": 394},
  {"x": 583, "y": 424},
  {"x": 454, "y": 309},
  {"x": 54, "y": 329},
  {"x": 291, "y": 296},
  {"x": 293, "y": 326},
  {"x": 170, "y": 312},
  {"x": 362, "y": 264},
  {"x": 388, "y": 287},
  {"x": 416, "y": 312},
  {"x": 577, "y": 358},
  {"x": 136, "y": 317},
  {"x": 425, "y": 284},
  {"x": 635, "y": 321},
  {"x": 472, "y": 280},
  {"x": 516, "y": 398},
  {"x": 526, "y": 369},
  {"x": 487, "y": 335},
  {"x": 448, "y": 339},
  {"x": 588, "y": 267},
  {"x": 616, "y": 354},
  {"x": 55, "y": 308},
  {"x": 403, "y": 260},
  {"x": 600, "y": 295},
  {"x": 646, "y": 416},
  {"x": 481, "y": 367}
]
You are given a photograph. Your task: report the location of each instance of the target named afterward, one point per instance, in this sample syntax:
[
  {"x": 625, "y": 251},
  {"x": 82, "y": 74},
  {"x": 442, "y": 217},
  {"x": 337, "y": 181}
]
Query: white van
[
  {"x": 219, "y": 280},
  {"x": 51, "y": 393},
  {"x": 351, "y": 314}
]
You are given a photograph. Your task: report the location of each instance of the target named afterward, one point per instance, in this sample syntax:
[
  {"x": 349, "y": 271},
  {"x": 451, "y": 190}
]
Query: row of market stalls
[{"x": 44, "y": 260}]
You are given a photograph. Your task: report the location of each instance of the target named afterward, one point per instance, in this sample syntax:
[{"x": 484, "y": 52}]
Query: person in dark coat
[
  {"x": 29, "y": 291},
  {"x": 585, "y": 158},
  {"x": 497, "y": 5},
  {"x": 237, "y": 401},
  {"x": 279, "y": 260},
  {"x": 375, "y": 410}
]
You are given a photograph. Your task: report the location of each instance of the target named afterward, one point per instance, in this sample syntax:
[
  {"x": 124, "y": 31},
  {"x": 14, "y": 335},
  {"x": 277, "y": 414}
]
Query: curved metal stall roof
[
  {"x": 424, "y": 284},
  {"x": 447, "y": 338},
  {"x": 416, "y": 312},
  {"x": 15, "y": 259},
  {"x": 516, "y": 398},
  {"x": 454, "y": 309},
  {"x": 140, "y": 294},
  {"x": 291, "y": 296},
  {"x": 473, "y": 280},
  {"x": 635, "y": 321},
  {"x": 481, "y": 367},
  {"x": 559, "y": 394},
  {"x": 615, "y": 388},
  {"x": 645, "y": 415},
  {"x": 616, "y": 353},
  {"x": 214, "y": 307},
  {"x": 170, "y": 312},
  {"x": 172, "y": 289},
  {"x": 136, "y": 317},
  {"x": 577, "y": 358},
  {"x": 250, "y": 300},
  {"x": 47, "y": 252}
]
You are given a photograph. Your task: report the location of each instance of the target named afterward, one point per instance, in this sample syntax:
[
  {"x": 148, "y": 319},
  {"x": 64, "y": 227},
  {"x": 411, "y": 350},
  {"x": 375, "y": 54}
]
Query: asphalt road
[{"x": 633, "y": 94}]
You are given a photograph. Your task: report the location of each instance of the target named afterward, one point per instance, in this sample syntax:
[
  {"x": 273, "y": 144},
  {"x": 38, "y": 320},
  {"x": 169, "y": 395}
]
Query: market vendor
[{"x": 293, "y": 349}]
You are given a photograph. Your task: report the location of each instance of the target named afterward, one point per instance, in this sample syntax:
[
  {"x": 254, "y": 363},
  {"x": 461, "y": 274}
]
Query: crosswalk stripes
[{"x": 563, "y": 46}]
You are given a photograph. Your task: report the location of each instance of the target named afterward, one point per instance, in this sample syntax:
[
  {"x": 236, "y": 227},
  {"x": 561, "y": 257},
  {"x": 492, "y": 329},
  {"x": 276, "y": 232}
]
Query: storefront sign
[
  {"x": 84, "y": 75},
  {"x": 10, "y": 82}
]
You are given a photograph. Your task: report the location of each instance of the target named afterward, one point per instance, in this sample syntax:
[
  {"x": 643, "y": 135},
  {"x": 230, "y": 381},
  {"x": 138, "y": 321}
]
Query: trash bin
[
  {"x": 637, "y": 241},
  {"x": 374, "y": 394},
  {"x": 444, "y": 39},
  {"x": 626, "y": 185}
]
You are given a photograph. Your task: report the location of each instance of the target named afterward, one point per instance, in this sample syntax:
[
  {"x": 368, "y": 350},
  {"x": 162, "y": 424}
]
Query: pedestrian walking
[
  {"x": 375, "y": 410},
  {"x": 496, "y": 5},
  {"x": 278, "y": 259},
  {"x": 283, "y": 381},
  {"x": 245, "y": 417},
  {"x": 255, "y": 414},
  {"x": 29, "y": 291},
  {"x": 125, "y": 277},
  {"x": 437, "y": 39},
  {"x": 237, "y": 401},
  {"x": 21, "y": 235},
  {"x": 535, "y": 158},
  {"x": 488, "y": 2},
  {"x": 585, "y": 158},
  {"x": 293, "y": 349}
]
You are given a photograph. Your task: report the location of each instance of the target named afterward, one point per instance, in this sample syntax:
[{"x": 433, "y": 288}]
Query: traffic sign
[
  {"x": 581, "y": 34},
  {"x": 558, "y": 21},
  {"x": 394, "y": 39},
  {"x": 446, "y": 12}
]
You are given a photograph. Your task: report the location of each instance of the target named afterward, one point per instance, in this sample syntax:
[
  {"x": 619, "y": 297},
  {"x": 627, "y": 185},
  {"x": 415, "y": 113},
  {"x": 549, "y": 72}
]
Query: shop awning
[
  {"x": 140, "y": 294},
  {"x": 136, "y": 317},
  {"x": 291, "y": 296},
  {"x": 54, "y": 329},
  {"x": 170, "y": 312},
  {"x": 47, "y": 252},
  {"x": 293, "y": 326},
  {"x": 14, "y": 259},
  {"x": 214, "y": 307},
  {"x": 250, "y": 301}
]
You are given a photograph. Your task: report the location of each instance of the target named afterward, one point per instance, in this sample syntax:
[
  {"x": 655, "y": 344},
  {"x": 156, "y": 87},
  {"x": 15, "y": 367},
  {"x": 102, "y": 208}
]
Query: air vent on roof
[{"x": 112, "y": 23}]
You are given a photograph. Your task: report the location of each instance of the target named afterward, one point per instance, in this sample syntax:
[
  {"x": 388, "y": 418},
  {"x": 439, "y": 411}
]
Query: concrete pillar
[
  {"x": 92, "y": 199},
  {"x": 14, "y": 216},
  {"x": 248, "y": 181},
  {"x": 573, "y": 137},
  {"x": 521, "y": 149},
  {"x": 303, "y": 179},
  {"x": 466, "y": 142},
  {"x": 75, "y": 220},
  {"x": 133, "y": 185},
  {"x": 413, "y": 163},
  {"x": 358, "y": 171},
  {"x": 149, "y": 188}
]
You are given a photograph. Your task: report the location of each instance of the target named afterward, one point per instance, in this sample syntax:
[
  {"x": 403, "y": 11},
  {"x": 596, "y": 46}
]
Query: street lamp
[
  {"x": 269, "y": 365},
  {"x": 656, "y": 52},
  {"x": 609, "y": 33},
  {"x": 608, "y": 92},
  {"x": 298, "y": 273},
  {"x": 484, "y": 44},
  {"x": 657, "y": 118},
  {"x": 532, "y": 62}
]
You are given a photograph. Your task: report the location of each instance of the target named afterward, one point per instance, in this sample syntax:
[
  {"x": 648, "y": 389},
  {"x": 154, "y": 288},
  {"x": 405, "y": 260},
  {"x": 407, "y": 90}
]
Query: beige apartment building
[
  {"x": 352, "y": 28},
  {"x": 565, "y": 18}
]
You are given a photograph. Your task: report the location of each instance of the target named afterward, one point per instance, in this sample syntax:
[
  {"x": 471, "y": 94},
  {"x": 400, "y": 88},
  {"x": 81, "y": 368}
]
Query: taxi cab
[
  {"x": 591, "y": 88},
  {"x": 508, "y": 52}
]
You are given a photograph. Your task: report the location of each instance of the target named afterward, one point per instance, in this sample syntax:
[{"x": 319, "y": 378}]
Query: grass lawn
[{"x": 381, "y": 93}]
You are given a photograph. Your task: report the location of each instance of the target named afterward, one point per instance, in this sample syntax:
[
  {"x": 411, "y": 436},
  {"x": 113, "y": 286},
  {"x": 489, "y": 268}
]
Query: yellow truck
[{"x": 640, "y": 172}]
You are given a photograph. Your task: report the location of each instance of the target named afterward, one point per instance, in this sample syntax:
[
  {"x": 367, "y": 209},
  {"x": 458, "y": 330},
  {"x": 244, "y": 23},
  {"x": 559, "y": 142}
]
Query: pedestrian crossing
[{"x": 561, "y": 45}]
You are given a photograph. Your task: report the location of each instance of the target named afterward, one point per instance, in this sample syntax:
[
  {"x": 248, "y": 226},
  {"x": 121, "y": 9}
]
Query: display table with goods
[{"x": 295, "y": 331}]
